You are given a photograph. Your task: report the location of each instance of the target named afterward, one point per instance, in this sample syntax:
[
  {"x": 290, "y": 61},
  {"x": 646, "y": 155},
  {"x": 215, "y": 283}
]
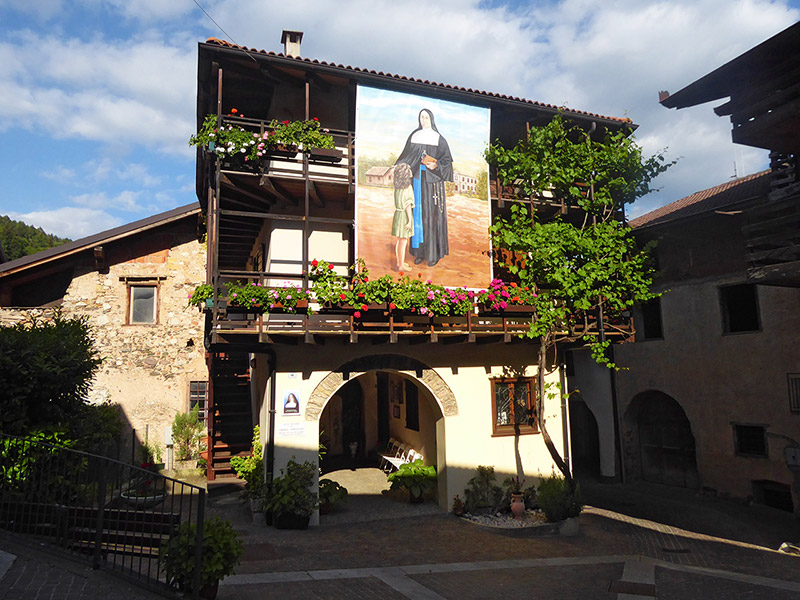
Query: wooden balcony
[{"x": 380, "y": 326}]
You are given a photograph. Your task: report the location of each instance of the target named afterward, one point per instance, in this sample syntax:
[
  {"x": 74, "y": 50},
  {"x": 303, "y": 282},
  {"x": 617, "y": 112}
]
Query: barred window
[
  {"x": 198, "y": 396},
  {"x": 513, "y": 406}
]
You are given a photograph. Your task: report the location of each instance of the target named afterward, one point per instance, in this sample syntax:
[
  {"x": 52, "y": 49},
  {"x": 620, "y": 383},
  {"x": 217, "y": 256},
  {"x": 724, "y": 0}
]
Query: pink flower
[
  {"x": 503, "y": 304},
  {"x": 423, "y": 310}
]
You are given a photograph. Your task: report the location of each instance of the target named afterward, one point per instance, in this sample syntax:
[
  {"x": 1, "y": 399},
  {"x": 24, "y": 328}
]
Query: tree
[
  {"x": 586, "y": 265},
  {"x": 46, "y": 369},
  {"x": 18, "y": 239}
]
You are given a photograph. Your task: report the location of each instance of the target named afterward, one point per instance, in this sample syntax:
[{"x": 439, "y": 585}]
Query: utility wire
[{"x": 227, "y": 35}]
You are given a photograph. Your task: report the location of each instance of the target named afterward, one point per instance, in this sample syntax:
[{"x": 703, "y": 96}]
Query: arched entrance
[
  {"x": 401, "y": 397},
  {"x": 361, "y": 416},
  {"x": 585, "y": 439},
  {"x": 661, "y": 446}
]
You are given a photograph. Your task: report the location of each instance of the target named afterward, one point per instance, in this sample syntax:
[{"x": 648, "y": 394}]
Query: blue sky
[{"x": 97, "y": 97}]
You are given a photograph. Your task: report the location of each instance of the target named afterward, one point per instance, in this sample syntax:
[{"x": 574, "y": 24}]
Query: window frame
[
  {"x": 648, "y": 312},
  {"x": 131, "y": 285},
  {"x": 724, "y": 302},
  {"x": 203, "y": 412},
  {"x": 514, "y": 428},
  {"x": 737, "y": 445},
  {"x": 793, "y": 382}
]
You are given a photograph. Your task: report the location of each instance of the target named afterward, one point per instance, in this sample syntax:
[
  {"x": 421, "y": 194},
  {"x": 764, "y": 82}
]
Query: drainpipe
[
  {"x": 273, "y": 361},
  {"x": 562, "y": 368},
  {"x": 614, "y": 402}
]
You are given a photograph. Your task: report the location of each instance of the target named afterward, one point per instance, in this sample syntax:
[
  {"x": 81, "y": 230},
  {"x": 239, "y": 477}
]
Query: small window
[
  {"x": 143, "y": 302},
  {"x": 513, "y": 406},
  {"x": 794, "y": 392},
  {"x": 651, "y": 327},
  {"x": 750, "y": 440},
  {"x": 198, "y": 396},
  {"x": 412, "y": 406},
  {"x": 740, "y": 308}
]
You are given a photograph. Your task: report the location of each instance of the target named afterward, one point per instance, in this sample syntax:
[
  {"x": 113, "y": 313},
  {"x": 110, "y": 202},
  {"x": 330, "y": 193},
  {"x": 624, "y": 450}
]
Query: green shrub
[
  {"x": 251, "y": 468},
  {"x": 556, "y": 501},
  {"x": 187, "y": 430},
  {"x": 221, "y": 550},
  {"x": 46, "y": 369},
  {"x": 482, "y": 493},
  {"x": 331, "y": 493},
  {"x": 290, "y": 493},
  {"x": 415, "y": 477}
]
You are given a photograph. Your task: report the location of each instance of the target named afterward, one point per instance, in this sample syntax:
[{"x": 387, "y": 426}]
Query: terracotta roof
[
  {"x": 69, "y": 248},
  {"x": 310, "y": 61},
  {"x": 715, "y": 198}
]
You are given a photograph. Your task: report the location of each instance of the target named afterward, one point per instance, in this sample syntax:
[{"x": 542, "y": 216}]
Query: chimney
[{"x": 291, "y": 42}]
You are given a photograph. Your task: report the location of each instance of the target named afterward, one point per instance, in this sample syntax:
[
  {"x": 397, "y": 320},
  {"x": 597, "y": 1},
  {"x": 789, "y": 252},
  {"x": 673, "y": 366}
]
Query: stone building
[
  {"x": 132, "y": 282},
  {"x": 458, "y": 390}
]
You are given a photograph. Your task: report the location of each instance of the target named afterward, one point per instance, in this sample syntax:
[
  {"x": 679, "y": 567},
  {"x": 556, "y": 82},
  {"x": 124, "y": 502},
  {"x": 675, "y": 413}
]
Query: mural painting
[{"x": 422, "y": 202}]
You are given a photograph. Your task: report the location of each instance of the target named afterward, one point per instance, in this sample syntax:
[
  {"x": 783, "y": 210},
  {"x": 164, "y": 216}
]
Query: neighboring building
[
  {"x": 712, "y": 397},
  {"x": 133, "y": 283},
  {"x": 452, "y": 389}
]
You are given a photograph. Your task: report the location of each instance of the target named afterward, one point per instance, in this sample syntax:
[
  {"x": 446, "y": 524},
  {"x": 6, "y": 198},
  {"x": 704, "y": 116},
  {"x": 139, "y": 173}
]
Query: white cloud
[
  {"x": 69, "y": 221},
  {"x": 137, "y": 92},
  {"x": 125, "y": 201}
]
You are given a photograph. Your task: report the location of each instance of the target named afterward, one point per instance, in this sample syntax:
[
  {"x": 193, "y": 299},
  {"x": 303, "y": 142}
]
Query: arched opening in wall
[
  {"x": 659, "y": 444},
  {"x": 361, "y": 417},
  {"x": 585, "y": 440}
]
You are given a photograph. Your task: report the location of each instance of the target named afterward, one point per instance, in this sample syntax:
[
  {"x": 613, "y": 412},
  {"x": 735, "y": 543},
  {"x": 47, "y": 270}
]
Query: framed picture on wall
[
  {"x": 396, "y": 411},
  {"x": 398, "y": 392}
]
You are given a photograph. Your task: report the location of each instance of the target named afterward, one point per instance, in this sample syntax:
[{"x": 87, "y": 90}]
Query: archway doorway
[
  {"x": 662, "y": 440},
  {"x": 363, "y": 414},
  {"x": 585, "y": 440}
]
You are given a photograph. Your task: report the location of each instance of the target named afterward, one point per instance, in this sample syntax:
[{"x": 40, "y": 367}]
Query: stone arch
[
  {"x": 658, "y": 440},
  {"x": 382, "y": 362}
]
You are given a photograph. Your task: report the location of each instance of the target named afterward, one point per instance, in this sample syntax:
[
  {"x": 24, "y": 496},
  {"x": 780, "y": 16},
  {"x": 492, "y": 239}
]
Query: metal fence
[{"x": 101, "y": 510}]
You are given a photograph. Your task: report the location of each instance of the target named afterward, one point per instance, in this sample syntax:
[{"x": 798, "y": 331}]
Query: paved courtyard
[{"x": 373, "y": 549}]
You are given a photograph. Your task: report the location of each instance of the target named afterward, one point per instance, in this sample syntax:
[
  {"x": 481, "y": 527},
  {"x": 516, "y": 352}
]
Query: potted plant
[
  {"x": 221, "y": 550},
  {"x": 514, "y": 486},
  {"x": 146, "y": 489},
  {"x": 458, "y": 506},
  {"x": 289, "y": 498},
  {"x": 251, "y": 469},
  {"x": 415, "y": 477},
  {"x": 330, "y": 495}
]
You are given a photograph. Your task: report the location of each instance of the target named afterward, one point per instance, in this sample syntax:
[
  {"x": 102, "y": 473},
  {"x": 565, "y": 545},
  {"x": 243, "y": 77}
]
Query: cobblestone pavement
[
  {"x": 28, "y": 572},
  {"x": 437, "y": 556}
]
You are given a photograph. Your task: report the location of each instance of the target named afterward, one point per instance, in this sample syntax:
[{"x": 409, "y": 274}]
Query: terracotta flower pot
[{"x": 517, "y": 506}]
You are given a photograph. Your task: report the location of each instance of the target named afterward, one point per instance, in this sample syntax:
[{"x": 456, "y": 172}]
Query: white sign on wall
[{"x": 290, "y": 430}]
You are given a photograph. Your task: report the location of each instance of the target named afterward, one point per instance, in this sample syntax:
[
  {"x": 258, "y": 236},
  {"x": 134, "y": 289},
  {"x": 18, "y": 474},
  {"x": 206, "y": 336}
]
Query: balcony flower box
[{"x": 330, "y": 155}]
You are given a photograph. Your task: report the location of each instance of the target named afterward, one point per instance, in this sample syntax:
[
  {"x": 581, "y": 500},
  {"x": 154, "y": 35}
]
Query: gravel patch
[{"x": 507, "y": 520}]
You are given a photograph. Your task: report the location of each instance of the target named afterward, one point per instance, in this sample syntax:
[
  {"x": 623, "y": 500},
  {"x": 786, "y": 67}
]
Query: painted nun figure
[{"x": 428, "y": 155}]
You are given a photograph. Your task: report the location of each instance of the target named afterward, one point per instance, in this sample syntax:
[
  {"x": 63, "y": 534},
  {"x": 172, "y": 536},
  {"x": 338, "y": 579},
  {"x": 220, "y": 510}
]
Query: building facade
[
  {"x": 132, "y": 283},
  {"x": 459, "y": 390}
]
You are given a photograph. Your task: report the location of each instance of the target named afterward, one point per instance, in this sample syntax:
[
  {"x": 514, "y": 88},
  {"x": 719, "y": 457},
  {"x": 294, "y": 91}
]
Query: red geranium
[
  {"x": 330, "y": 267},
  {"x": 357, "y": 315},
  {"x": 314, "y": 262}
]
